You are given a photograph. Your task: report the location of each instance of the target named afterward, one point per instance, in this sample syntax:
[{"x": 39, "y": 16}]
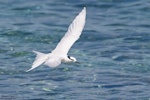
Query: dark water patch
[
  {"x": 145, "y": 79},
  {"x": 100, "y": 5},
  {"x": 124, "y": 57},
  {"x": 53, "y": 76},
  {"x": 31, "y": 8},
  {"x": 136, "y": 66},
  {"x": 60, "y": 78},
  {"x": 95, "y": 36},
  {"x": 19, "y": 54},
  {"x": 37, "y": 99},
  {"x": 117, "y": 24},
  {"x": 120, "y": 85},
  {"x": 145, "y": 9},
  {"x": 46, "y": 39},
  {"x": 16, "y": 33},
  {"x": 23, "y": 24},
  {"x": 137, "y": 39},
  {"x": 2, "y": 51}
]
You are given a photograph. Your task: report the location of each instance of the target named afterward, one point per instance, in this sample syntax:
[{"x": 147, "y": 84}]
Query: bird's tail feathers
[{"x": 40, "y": 59}]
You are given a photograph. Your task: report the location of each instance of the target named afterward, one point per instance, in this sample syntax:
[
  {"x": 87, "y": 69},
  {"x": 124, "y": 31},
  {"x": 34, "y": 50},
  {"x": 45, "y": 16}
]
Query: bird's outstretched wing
[{"x": 72, "y": 35}]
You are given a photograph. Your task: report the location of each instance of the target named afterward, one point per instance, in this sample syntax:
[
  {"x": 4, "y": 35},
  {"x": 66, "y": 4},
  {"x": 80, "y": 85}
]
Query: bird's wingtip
[
  {"x": 29, "y": 70},
  {"x": 84, "y": 8}
]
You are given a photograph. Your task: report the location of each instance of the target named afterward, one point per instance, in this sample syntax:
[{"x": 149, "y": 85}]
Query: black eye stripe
[{"x": 69, "y": 57}]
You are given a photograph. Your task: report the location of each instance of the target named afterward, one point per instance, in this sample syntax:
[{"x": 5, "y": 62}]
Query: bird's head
[{"x": 72, "y": 59}]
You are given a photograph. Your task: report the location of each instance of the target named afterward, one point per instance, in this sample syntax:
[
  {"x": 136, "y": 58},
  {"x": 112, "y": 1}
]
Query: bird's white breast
[{"x": 53, "y": 61}]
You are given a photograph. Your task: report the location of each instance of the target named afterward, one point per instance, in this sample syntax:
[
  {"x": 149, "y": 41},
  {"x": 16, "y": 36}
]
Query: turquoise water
[{"x": 114, "y": 50}]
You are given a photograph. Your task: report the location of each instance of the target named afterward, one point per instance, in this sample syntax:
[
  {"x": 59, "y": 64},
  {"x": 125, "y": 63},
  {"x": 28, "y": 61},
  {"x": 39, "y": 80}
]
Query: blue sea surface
[{"x": 113, "y": 50}]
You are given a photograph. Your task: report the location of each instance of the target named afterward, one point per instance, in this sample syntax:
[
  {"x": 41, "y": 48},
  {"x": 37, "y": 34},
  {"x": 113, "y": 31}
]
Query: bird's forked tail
[{"x": 40, "y": 59}]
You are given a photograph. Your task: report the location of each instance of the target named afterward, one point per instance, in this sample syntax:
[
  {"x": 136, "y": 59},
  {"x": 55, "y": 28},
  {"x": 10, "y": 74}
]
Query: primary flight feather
[{"x": 59, "y": 54}]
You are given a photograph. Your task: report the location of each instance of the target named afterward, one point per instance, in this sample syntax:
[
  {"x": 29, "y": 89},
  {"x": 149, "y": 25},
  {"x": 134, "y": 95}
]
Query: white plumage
[{"x": 59, "y": 54}]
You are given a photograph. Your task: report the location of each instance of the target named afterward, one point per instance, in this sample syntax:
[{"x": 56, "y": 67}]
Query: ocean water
[{"x": 114, "y": 50}]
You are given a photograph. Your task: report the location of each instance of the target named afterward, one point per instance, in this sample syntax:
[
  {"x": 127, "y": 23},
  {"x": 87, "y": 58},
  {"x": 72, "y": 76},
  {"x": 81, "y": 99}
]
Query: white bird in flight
[{"x": 59, "y": 54}]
